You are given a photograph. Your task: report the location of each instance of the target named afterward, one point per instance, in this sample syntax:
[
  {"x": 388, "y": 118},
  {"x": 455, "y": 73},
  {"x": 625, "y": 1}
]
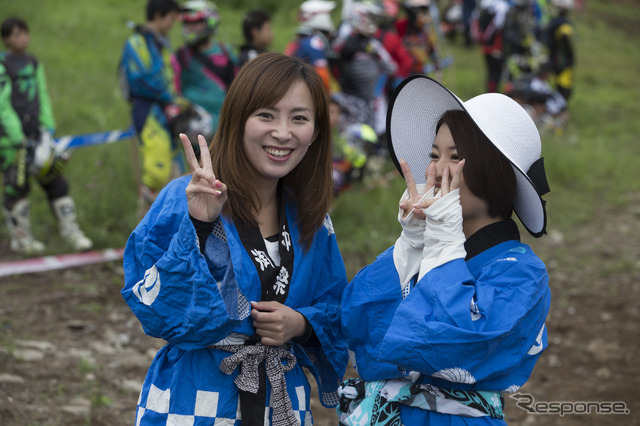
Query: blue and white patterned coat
[
  {"x": 475, "y": 325},
  {"x": 194, "y": 300}
]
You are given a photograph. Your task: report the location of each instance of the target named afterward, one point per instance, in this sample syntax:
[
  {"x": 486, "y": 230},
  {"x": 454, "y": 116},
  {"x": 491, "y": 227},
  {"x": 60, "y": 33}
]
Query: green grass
[{"x": 79, "y": 41}]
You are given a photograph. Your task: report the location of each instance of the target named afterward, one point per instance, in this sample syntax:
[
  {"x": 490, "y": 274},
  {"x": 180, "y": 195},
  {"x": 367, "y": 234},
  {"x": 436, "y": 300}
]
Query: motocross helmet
[
  {"x": 316, "y": 15},
  {"x": 193, "y": 121},
  {"x": 44, "y": 160},
  {"x": 365, "y": 17},
  {"x": 563, "y": 4},
  {"x": 200, "y": 20}
]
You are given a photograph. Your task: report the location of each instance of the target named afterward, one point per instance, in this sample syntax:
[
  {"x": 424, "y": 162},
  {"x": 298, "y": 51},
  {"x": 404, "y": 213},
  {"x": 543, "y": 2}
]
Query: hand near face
[
  {"x": 447, "y": 182},
  {"x": 414, "y": 196},
  {"x": 205, "y": 194},
  {"x": 276, "y": 323}
]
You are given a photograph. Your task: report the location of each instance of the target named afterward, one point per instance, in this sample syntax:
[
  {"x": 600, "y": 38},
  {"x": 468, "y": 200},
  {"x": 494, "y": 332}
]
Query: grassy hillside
[{"x": 79, "y": 42}]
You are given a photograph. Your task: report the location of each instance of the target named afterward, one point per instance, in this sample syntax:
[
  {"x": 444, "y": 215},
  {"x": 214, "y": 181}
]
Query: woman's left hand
[
  {"x": 449, "y": 182},
  {"x": 276, "y": 323}
]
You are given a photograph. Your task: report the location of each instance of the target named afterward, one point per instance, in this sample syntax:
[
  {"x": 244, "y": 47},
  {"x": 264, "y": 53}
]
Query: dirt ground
[{"x": 71, "y": 352}]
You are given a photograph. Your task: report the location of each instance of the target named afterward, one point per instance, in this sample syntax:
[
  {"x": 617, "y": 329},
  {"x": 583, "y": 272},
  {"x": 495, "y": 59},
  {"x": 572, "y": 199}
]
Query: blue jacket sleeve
[
  {"x": 368, "y": 305},
  {"x": 326, "y": 283},
  {"x": 168, "y": 283},
  {"x": 467, "y": 329}
]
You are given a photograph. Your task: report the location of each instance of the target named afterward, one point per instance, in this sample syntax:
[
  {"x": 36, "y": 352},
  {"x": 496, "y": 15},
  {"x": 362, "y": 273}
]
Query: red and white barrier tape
[{"x": 63, "y": 261}]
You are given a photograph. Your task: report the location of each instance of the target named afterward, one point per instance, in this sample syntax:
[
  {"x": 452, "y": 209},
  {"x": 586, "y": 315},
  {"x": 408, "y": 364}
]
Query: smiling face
[{"x": 276, "y": 138}]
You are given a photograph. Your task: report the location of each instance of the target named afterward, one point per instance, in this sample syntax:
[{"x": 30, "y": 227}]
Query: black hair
[
  {"x": 253, "y": 19},
  {"x": 10, "y": 23},
  {"x": 163, "y": 7},
  {"x": 487, "y": 171}
]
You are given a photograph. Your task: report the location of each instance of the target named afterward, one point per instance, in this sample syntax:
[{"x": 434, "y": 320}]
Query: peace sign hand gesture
[
  {"x": 205, "y": 194},
  {"x": 417, "y": 202}
]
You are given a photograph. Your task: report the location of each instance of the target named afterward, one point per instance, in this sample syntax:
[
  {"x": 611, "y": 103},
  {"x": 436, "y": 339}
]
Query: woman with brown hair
[{"x": 237, "y": 267}]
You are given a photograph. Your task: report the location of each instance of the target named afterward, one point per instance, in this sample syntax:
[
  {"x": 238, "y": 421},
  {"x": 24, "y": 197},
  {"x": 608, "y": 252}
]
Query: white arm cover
[
  {"x": 407, "y": 252},
  {"x": 443, "y": 236}
]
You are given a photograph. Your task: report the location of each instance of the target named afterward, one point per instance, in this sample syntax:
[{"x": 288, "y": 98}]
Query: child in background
[
  {"x": 26, "y": 145},
  {"x": 256, "y": 28}
]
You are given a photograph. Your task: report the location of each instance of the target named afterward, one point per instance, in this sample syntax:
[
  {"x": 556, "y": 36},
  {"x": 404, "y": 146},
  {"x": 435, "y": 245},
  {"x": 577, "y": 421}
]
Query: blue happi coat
[
  {"x": 194, "y": 300},
  {"x": 474, "y": 326}
]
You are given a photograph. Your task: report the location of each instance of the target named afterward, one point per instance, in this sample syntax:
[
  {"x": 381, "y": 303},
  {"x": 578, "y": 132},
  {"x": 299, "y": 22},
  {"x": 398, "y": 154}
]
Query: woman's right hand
[
  {"x": 448, "y": 182},
  {"x": 205, "y": 194}
]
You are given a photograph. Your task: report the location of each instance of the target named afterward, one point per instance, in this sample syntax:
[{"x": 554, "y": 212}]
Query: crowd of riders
[{"x": 361, "y": 49}]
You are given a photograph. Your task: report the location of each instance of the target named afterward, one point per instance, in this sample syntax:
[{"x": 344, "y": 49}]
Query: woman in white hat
[{"x": 452, "y": 316}]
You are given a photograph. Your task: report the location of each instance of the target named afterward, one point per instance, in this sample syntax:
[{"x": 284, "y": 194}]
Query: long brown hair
[
  {"x": 487, "y": 171},
  {"x": 261, "y": 83}
]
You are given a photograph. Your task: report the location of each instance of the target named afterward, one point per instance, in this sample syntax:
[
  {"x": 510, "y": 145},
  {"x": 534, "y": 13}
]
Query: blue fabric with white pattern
[
  {"x": 194, "y": 301},
  {"x": 472, "y": 326}
]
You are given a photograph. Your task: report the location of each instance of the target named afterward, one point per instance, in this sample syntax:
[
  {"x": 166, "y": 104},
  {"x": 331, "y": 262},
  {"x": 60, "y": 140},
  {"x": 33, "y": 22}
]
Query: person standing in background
[
  {"x": 256, "y": 28},
  {"x": 204, "y": 67},
  {"x": 487, "y": 26},
  {"x": 313, "y": 38},
  {"x": 392, "y": 42},
  {"x": 26, "y": 145},
  {"x": 561, "y": 51},
  {"x": 364, "y": 65},
  {"x": 420, "y": 35},
  {"x": 146, "y": 79}
]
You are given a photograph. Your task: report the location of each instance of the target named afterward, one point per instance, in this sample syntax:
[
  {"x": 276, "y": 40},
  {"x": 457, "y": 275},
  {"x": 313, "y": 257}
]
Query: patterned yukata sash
[
  {"x": 249, "y": 357},
  {"x": 378, "y": 402}
]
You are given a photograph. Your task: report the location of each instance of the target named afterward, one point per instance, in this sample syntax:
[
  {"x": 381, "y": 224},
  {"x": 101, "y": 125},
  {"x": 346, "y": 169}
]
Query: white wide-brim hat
[{"x": 418, "y": 104}]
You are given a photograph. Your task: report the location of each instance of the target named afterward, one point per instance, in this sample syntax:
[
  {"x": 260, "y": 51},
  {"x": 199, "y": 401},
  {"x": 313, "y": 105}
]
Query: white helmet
[
  {"x": 563, "y": 4},
  {"x": 365, "y": 17},
  {"x": 411, "y": 4},
  {"x": 193, "y": 121},
  {"x": 316, "y": 15},
  {"x": 44, "y": 159}
]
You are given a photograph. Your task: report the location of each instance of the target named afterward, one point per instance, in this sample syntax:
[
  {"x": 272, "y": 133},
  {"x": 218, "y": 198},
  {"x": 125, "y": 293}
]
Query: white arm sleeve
[
  {"x": 443, "y": 236},
  {"x": 407, "y": 252}
]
